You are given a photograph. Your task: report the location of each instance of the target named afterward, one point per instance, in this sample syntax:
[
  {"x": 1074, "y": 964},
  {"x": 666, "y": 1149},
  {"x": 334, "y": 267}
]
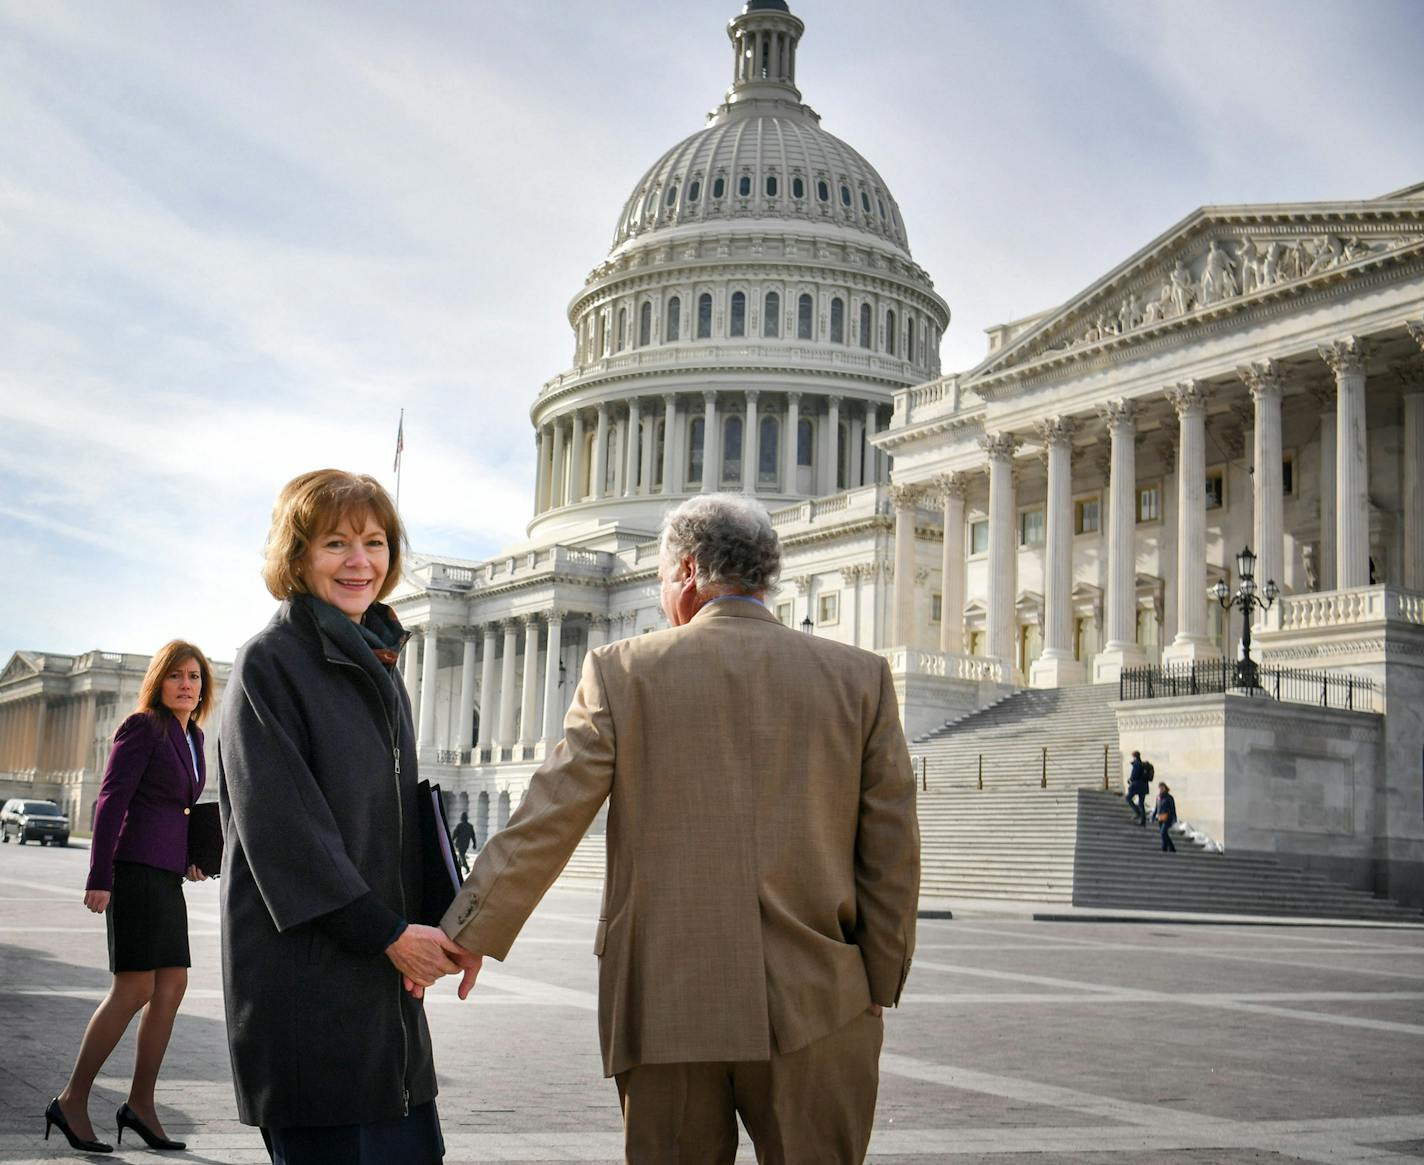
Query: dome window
[
  {"x": 803, "y": 318},
  {"x": 865, "y": 326},
  {"x": 704, "y": 316},
  {"x": 865, "y": 201},
  {"x": 645, "y": 324},
  {"x": 621, "y": 334},
  {"x": 798, "y": 188},
  {"x": 771, "y": 186},
  {"x": 671, "y": 199},
  {"x": 744, "y": 185},
  {"x": 771, "y": 316},
  {"x": 650, "y": 202},
  {"x": 909, "y": 337},
  {"x": 694, "y": 190},
  {"x": 890, "y": 332},
  {"x": 823, "y": 191},
  {"x": 838, "y": 320},
  {"x": 881, "y": 204},
  {"x": 673, "y": 331},
  {"x": 845, "y": 194},
  {"x": 739, "y": 314},
  {"x": 719, "y": 187}
]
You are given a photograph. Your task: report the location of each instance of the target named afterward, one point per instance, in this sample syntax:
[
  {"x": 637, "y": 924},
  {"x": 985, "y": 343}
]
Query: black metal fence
[{"x": 1324, "y": 689}]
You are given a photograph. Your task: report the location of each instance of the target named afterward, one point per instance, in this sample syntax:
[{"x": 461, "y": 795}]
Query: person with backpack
[
  {"x": 1165, "y": 812},
  {"x": 1139, "y": 783}
]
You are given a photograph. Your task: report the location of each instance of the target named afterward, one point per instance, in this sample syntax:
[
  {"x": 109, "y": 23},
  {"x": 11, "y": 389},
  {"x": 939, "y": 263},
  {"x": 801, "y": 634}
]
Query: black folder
[
  {"x": 205, "y": 838},
  {"x": 441, "y": 880}
]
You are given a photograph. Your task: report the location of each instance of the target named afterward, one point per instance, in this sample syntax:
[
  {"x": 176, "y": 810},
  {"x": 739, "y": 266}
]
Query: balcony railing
[
  {"x": 1324, "y": 689},
  {"x": 944, "y": 664},
  {"x": 1325, "y": 609}
]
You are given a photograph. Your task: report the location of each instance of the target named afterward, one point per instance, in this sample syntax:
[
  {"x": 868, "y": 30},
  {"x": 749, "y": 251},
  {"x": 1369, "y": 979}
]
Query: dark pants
[
  {"x": 1137, "y": 798},
  {"x": 1166, "y": 828}
]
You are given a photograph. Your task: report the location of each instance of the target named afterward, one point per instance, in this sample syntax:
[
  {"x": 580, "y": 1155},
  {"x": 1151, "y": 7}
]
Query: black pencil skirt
[{"x": 147, "y": 919}]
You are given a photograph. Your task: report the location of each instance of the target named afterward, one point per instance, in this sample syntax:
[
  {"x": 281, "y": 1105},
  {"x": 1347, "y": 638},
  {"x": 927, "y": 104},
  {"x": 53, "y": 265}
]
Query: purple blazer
[{"x": 148, "y": 789}]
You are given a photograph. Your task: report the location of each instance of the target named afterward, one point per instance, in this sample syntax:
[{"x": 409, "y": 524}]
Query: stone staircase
[
  {"x": 1075, "y": 724},
  {"x": 1083, "y": 848}
]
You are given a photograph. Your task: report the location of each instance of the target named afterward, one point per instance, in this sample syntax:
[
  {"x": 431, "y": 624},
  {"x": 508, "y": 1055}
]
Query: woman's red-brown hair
[{"x": 169, "y": 656}]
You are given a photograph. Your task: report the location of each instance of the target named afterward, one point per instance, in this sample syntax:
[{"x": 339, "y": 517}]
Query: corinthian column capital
[
  {"x": 1119, "y": 415},
  {"x": 1262, "y": 379},
  {"x": 999, "y": 446},
  {"x": 951, "y": 485},
  {"x": 1056, "y": 430},
  {"x": 907, "y": 495},
  {"x": 1346, "y": 357},
  {"x": 1189, "y": 398},
  {"x": 1416, "y": 329}
]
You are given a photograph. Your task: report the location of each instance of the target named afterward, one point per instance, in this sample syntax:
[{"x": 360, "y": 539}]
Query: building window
[
  {"x": 771, "y": 315},
  {"x": 1215, "y": 489},
  {"x": 845, "y": 194},
  {"x": 909, "y": 337},
  {"x": 719, "y": 187},
  {"x": 696, "y": 433},
  {"x": 805, "y": 442},
  {"x": 842, "y": 455},
  {"x": 674, "y": 318},
  {"x": 785, "y": 612},
  {"x": 865, "y": 328},
  {"x": 804, "y": 316},
  {"x": 1087, "y": 515},
  {"x": 1288, "y": 475},
  {"x": 622, "y": 329},
  {"x": 838, "y": 321},
  {"x": 828, "y": 609},
  {"x": 645, "y": 324},
  {"x": 979, "y": 536},
  {"x": 823, "y": 191},
  {"x": 732, "y": 449},
  {"x": 704, "y": 316},
  {"x": 1149, "y": 503},
  {"x": 936, "y": 608},
  {"x": 739, "y": 313},
  {"x": 744, "y": 185},
  {"x": 694, "y": 190},
  {"x": 672, "y": 195},
  {"x": 890, "y": 332},
  {"x": 771, "y": 186},
  {"x": 865, "y": 201},
  {"x": 1031, "y": 528},
  {"x": 766, "y": 451},
  {"x": 798, "y": 188},
  {"x": 659, "y": 447},
  {"x": 881, "y": 204},
  {"x": 610, "y": 472}
]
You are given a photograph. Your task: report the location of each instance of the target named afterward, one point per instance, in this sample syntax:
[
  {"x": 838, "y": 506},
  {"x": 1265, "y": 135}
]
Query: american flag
[{"x": 400, "y": 442}]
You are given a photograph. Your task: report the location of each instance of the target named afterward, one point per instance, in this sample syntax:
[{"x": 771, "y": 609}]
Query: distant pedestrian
[
  {"x": 1139, "y": 784},
  {"x": 464, "y": 838},
  {"x": 1166, "y": 814}
]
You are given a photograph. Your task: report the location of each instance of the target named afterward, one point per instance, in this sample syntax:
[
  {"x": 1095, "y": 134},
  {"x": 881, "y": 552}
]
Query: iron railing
[{"x": 1324, "y": 689}]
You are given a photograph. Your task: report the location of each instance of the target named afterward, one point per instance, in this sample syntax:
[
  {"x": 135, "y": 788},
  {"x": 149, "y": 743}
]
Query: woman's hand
[
  {"x": 97, "y": 900},
  {"x": 196, "y": 875},
  {"x": 421, "y": 955}
]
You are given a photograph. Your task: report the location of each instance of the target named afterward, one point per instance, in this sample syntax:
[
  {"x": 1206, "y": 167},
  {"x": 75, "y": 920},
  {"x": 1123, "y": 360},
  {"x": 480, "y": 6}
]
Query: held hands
[
  {"x": 424, "y": 954},
  {"x": 98, "y": 901}
]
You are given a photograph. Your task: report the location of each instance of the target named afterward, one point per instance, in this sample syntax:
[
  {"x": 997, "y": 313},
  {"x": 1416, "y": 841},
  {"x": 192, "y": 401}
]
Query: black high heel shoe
[
  {"x": 127, "y": 1118},
  {"x": 54, "y": 1116}
]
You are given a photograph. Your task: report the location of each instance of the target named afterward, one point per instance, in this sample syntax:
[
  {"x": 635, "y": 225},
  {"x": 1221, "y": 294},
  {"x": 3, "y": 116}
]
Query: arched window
[
  {"x": 909, "y": 337},
  {"x": 838, "y": 320},
  {"x": 744, "y": 185},
  {"x": 767, "y": 446},
  {"x": 865, "y": 328},
  {"x": 805, "y": 442},
  {"x": 719, "y": 186},
  {"x": 696, "y": 435},
  {"x": 739, "y": 313},
  {"x": 622, "y": 329},
  {"x": 673, "y": 331},
  {"x": 602, "y": 335},
  {"x": 694, "y": 190},
  {"x": 771, "y": 315},
  {"x": 798, "y": 188},
  {"x": 645, "y": 324},
  {"x": 672, "y": 195},
  {"x": 704, "y": 316},
  {"x": 732, "y": 449},
  {"x": 845, "y": 194},
  {"x": 865, "y": 201},
  {"x": 771, "y": 186},
  {"x": 823, "y": 191},
  {"x": 890, "y": 332},
  {"x": 804, "y": 309}
]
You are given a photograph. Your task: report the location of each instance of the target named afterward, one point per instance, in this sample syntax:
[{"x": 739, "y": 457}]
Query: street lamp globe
[{"x": 1246, "y": 565}]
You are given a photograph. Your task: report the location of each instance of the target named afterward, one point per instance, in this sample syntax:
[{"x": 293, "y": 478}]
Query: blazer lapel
[{"x": 179, "y": 742}]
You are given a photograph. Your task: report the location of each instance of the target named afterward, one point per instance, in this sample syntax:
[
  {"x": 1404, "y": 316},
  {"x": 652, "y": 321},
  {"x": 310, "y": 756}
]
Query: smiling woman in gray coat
[{"x": 322, "y": 967}]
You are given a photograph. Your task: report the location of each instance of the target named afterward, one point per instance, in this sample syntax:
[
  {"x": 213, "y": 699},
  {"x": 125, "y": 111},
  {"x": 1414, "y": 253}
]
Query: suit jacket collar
[
  {"x": 179, "y": 741},
  {"x": 735, "y": 609}
]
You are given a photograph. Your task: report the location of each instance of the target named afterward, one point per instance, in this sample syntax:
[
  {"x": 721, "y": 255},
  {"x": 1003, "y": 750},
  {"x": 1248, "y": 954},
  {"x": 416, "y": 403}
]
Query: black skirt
[
  {"x": 147, "y": 919},
  {"x": 413, "y": 1139}
]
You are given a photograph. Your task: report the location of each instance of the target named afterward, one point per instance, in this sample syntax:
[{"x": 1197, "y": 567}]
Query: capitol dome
[{"x": 757, "y": 310}]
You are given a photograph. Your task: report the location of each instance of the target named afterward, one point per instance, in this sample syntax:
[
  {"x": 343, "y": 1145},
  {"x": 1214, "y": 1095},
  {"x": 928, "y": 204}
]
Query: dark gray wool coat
[{"x": 314, "y": 815}]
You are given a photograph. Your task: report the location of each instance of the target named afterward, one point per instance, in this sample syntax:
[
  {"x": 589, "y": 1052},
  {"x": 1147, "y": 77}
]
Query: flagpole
[{"x": 400, "y": 447}]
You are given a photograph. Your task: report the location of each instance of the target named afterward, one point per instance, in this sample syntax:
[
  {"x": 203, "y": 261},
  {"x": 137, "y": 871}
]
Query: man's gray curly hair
[{"x": 729, "y": 537}]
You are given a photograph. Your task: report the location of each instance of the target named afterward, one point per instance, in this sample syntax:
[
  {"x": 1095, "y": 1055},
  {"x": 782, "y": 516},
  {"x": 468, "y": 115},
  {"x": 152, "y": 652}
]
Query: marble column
[
  {"x": 553, "y": 699},
  {"x": 529, "y": 692},
  {"x": 620, "y": 458},
  {"x": 751, "y": 446},
  {"x": 541, "y": 474},
  {"x": 906, "y": 499},
  {"x": 507, "y": 705},
  {"x": 465, "y": 729},
  {"x": 632, "y": 452},
  {"x": 1352, "y": 506},
  {"x": 599, "y": 472},
  {"x": 1264, "y": 381},
  {"x": 873, "y": 469},
  {"x": 597, "y": 631},
  {"x": 489, "y": 702},
  {"x": 711, "y": 445},
  {"x": 576, "y": 493},
  {"x": 427, "y": 687},
  {"x": 833, "y": 441},
  {"x": 1056, "y": 667},
  {"x": 792, "y": 439},
  {"x": 1121, "y": 649},
  {"x": 999, "y": 614},
  {"x": 650, "y": 448},
  {"x": 1192, "y": 641},
  {"x": 951, "y": 607},
  {"x": 410, "y": 673},
  {"x": 855, "y": 452},
  {"x": 558, "y": 491},
  {"x": 670, "y": 444}
]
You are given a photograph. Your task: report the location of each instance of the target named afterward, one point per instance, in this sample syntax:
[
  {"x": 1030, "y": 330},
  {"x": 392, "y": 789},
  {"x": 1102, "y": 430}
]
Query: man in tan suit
[{"x": 763, "y": 860}]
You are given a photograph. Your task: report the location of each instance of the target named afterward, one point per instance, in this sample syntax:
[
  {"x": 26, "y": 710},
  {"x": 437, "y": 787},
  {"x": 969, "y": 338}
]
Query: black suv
[{"x": 33, "y": 819}]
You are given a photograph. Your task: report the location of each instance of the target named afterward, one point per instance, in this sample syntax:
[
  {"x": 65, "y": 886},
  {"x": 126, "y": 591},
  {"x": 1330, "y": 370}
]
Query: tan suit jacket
[{"x": 763, "y": 849}]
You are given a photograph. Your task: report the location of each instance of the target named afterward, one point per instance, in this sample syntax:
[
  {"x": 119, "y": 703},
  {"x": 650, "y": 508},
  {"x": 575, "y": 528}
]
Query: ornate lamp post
[
  {"x": 807, "y": 626},
  {"x": 1246, "y": 598}
]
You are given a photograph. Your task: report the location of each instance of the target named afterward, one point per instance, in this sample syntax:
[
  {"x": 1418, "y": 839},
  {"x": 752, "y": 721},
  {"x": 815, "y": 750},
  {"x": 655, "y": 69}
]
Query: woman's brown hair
[
  {"x": 313, "y": 504},
  {"x": 169, "y": 656}
]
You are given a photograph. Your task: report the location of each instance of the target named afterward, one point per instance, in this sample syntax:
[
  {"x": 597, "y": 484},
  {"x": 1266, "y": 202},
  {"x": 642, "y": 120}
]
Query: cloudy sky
[{"x": 235, "y": 240}]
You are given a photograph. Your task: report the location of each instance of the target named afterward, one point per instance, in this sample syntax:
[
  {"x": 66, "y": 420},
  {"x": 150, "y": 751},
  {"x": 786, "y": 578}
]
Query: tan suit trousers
[{"x": 814, "y": 1106}]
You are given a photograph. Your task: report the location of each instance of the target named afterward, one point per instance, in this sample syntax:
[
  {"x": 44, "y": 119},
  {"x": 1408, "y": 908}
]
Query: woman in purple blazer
[{"x": 137, "y": 862}]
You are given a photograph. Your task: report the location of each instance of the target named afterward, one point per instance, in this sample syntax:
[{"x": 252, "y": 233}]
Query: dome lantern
[{"x": 764, "y": 39}]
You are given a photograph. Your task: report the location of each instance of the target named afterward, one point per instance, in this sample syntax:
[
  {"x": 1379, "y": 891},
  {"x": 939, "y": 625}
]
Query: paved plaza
[{"x": 1017, "y": 1040}]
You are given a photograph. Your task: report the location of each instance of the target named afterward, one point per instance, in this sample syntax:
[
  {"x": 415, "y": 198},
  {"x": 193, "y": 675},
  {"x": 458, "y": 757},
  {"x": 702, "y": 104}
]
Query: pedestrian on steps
[
  {"x": 1139, "y": 784},
  {"x": 1166, "y": 813}
]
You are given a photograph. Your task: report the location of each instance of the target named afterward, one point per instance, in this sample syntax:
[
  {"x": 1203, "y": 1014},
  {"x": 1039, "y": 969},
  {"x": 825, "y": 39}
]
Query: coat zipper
[{"x": 400, "y": 879}]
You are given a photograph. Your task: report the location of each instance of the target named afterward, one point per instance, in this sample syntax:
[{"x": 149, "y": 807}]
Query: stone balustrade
[
  {"x": 1325, "y": 609},
  {"x": 943, "y": 664}
]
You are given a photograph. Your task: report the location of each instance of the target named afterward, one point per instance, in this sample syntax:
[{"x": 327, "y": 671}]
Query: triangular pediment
[
  {"x": 1216, "y": 261},
  {"x": 22, "y": 666}
]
